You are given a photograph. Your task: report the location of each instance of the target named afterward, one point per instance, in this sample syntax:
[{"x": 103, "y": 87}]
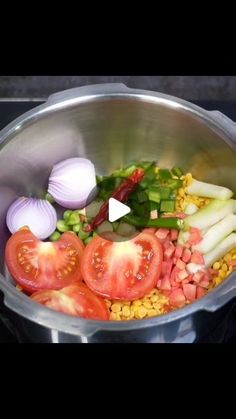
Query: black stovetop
[{"x": 225, "y": 330}]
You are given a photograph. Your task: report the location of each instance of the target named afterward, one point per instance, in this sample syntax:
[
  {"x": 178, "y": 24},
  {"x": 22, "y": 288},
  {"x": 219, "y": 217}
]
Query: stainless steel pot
[{"x": 111, "y": 125}]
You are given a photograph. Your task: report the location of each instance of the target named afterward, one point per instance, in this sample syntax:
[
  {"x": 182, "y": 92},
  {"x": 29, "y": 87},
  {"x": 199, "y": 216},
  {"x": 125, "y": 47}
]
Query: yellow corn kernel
[
  {"x": 152, "y": 313},
  {"x": 112, "y": 316},
  {"x": 137, "y": 303},
  {"x": 154, "y": 298},
  {"x": 116, "y": 308},
  {"x": 227, "y": 258},
  {"x": 216, "y": 265},
  {"x": 181, "y": 192},
  {"x": 234, "y": 257},
  {"x": 218, "y": 280},
  {"x": 224, "y": 267},
  {"x": 127, "y": 303},
  {"x": 147, "y": 304},
  {"x": 141, "y": 313},
  {"x": 126, "y": 311},
  {"x": 221, "y": 273}
]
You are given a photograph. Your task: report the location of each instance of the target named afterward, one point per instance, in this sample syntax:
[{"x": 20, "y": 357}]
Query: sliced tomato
[
  {"x": 122, "y": 270},
  {"x": 37, "y": 265},
  {"x": 76, "y": 300}
]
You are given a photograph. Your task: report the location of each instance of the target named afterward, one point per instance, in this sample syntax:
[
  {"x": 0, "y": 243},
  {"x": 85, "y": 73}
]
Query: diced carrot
[
  {"x": 190, "y": 291},
  {"x": 182, "y": 275},
  {"x": 149, "y": 230},
  {"x": 198, "y": 276},
  {"x": 165, "y": 283},
  {"x": 177, "y": 298},
  {"x": 198, "y": 258},
  {"x": 173, "y": 273},
  {"x": 163, "y": 268},
  {"x": 174, "y": 234},
  {"x": 181, "y": 215},
  {"x": 195, "y": 235},
  {"x": 166, "y": 292},
  {"x": 214, "y": 271},
  {"x": 204, "y": 283},
  {"x": 162, "y": 233},
  {"x": 185, "y": 281},
  {"x": 201, "y": 292},
  {"x": 186, "y": 255},
  {"x": 179, "y": 251},
  {"x": 180, "y": 264},
  {"x": 166, "y": 243},
  {"x": 169, "y": 267},
  {"x": 168, "y": 253}
]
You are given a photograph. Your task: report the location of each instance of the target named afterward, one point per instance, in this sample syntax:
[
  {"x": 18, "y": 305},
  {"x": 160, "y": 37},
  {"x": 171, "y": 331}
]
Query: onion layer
[
  {"x": 72, "y": 183},
  {"x": 38, "y": 214}
]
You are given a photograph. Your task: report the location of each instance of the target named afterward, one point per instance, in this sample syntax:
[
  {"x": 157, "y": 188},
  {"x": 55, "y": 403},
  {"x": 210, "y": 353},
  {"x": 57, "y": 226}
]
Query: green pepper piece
[{"x": 167, "y": 206}]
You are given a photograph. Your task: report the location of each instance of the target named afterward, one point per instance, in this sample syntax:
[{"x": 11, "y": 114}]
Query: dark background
[{"x": 214, "y": 88}]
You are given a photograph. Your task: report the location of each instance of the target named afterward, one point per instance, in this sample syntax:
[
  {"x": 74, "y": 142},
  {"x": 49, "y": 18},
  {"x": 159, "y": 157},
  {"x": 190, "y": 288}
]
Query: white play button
[{"x": 116, "y": 209}]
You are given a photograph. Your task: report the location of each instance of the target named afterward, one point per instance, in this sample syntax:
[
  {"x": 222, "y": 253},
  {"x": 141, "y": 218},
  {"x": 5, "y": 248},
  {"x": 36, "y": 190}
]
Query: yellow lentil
[
  {"x": 216, "y": 265},
  {"x": 116, "y": 308},
  {"x": 126, "y": 311}
]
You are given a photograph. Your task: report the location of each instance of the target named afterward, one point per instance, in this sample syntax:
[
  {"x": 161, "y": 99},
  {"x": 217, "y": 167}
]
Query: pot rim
[{"x": 23, "y": 305}]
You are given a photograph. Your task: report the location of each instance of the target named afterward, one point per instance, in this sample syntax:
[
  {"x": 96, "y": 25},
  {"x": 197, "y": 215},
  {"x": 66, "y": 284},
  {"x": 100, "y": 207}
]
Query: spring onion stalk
[
  {"x": 191, "y": 209},
  {"x": 192, "y": 268},
  {"x": 220, "y": 250},
  {"x": 217, "y": 233},
  {"x": 209, "y": 190},
  {"x": 183, "y": 237},
  {"x": 209, "y": 215},
  {"x": 215, "y": 254}
]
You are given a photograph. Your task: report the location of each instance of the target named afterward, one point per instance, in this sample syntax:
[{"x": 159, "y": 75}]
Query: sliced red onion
[
  {"x": 72, "y": 183},
  {"x": 38, "y": 214}
]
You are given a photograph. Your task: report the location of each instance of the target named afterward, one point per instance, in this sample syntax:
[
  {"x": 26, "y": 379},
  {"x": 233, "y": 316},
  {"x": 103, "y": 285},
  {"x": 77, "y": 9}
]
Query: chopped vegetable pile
[{"x": 177, "y": 243}]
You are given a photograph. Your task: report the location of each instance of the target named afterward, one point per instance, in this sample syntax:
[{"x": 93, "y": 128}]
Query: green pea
[
  {"x": 83, "y": 235},
  {"x": 67, "y": 214},
  {"x": 76, "y": 228},
  {"x": 86, "y": 241},
  {"x": 73, "y": 218},
  {"x": 62, "y": 227},
  {"x": 55, "y": 236}
]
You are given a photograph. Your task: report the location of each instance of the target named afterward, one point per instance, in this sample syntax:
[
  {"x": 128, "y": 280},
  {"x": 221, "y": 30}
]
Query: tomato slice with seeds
[
  {"x": 37, "y": 265},
  {"x": 76, "y": 300},
  {"x": 122, "y": 270}
]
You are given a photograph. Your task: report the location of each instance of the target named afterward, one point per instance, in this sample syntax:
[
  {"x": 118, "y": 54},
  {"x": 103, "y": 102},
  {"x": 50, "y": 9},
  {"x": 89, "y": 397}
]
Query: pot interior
[{"x": 110, "y": 131}]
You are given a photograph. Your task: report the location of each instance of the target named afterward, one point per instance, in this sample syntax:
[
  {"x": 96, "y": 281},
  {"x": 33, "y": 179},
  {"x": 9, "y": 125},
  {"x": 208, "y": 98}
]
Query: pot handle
[
  {"x": 90, "y": 90},
  {"x": 220, "y": 295},
  {"x": 227, "y": 123}
]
